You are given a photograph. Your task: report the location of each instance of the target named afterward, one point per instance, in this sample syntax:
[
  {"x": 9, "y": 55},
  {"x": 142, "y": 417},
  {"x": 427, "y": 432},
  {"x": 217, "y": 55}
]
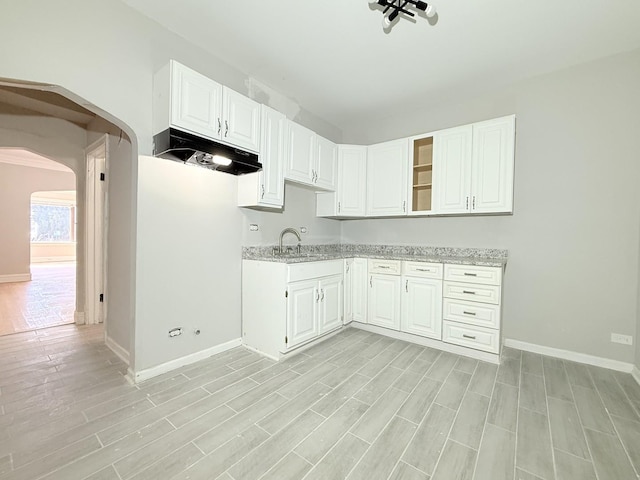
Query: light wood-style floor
[
  {"x": 47, "y": 300},
  {"x": 358, "y": 406}
]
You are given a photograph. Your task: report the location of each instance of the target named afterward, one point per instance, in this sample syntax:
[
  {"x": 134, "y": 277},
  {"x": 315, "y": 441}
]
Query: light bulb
[
  {"x": 220, "y": 160},
  {"x": 430, "y": 11}
]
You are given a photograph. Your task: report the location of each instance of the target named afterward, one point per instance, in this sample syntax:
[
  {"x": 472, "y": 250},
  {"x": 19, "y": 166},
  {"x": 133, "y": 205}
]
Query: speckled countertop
[{"x": 489, "y": 257}]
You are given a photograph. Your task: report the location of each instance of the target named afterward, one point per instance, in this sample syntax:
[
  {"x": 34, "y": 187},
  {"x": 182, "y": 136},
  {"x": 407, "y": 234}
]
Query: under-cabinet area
[{"x": 290, "y": 302}]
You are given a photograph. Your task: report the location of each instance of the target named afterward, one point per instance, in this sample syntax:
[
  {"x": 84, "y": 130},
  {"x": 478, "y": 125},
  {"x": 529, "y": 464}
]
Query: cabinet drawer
[
  {"x": 390, "y": 267},
  {"x": 472, "y": 313},
  {"x": 422, "y": 269},
  {"x": 309, "y": 270},
  {"x": 471, "y": 336},
  {"x": 471, "y": 292},
  {"x": 473, "y": 274}
]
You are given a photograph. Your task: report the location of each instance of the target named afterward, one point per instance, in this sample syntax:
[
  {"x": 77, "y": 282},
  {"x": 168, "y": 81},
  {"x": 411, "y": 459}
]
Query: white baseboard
[
  {"x": 142, "y": 375},
  {"x": 635, "y": 373},
  {"x": 79, "y": 318},
  {"x": 428, "y": 342},
  {"x": 572, "y": 356},
  {"x": 16, "y": 277},
  {"x": 116, "y": 348},
  {"x": 53, "y": 259}
]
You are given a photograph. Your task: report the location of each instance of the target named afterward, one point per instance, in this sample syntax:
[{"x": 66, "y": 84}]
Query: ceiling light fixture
[{"x": 393, "y": 8}]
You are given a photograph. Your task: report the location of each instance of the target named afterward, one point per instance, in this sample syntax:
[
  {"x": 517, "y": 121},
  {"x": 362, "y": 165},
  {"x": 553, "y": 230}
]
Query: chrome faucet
[{"x": 294, "y": 232}]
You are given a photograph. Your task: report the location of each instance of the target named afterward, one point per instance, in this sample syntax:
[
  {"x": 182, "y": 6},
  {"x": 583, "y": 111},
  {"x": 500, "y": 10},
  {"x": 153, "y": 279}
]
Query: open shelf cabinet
[{"x": 422, "y": 175}]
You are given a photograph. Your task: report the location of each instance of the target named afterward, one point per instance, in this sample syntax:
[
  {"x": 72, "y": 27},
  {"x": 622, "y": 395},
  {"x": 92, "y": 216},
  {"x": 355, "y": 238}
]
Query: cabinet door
[
  {"x": 352, "y": 180},
  {"x": 387, "y": 165},
  {"x": 492, "y": 166},
  {"x": 330, "y": 305},
  {"x": 196, "y": 102},
  {"x": 348, "y": 289},
  {"x": 302, "y": 307},
  {"x": 241, "y": 120},
  {"x": 271, "y": 151},
  {"x": 299, "y": 154},
  {"x": 384, "y": 301},
  {"x": 359, "y": 290},
  {"x": 452, "y": 170},
  {"x": 422, "y": 307},
  {"x": 326, "y": 163}
]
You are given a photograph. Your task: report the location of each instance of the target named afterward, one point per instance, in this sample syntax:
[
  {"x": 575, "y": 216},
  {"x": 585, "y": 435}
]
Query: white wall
[
  {"x": 188, "y": 260},
  {"x": 17, "y": 183},
  {"x": 572, "y": 276},
  {"x": 299, "y": 211}
]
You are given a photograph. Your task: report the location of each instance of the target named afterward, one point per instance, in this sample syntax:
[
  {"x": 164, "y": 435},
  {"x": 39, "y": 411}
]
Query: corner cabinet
[
  {"x": 287, "y": 306},
  {"x": 349, "y": 199},
  {"x": 387, "y": 179},
  {"x": 265, "y": 189},
  {"x": 190, "y": 101},
  {"x": 474, "y": 168}
]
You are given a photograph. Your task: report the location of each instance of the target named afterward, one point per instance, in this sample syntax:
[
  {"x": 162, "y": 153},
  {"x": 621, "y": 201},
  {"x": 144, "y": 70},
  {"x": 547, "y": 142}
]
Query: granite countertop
[{"x": 316, "y": 253}]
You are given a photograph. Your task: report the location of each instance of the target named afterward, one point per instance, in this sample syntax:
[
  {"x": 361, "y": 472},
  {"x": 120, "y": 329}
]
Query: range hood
[{"x": 184, "y": 147}]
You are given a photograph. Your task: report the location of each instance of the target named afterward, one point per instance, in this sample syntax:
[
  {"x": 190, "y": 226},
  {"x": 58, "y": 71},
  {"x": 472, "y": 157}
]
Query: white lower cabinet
[
  {"x": 355, "y": 290},
  {"x": 286, "y": 306},
  {"x": 422, "y": 307},
  {"x": 472, "y": 307},
  {"x": 384, "y": 300}
]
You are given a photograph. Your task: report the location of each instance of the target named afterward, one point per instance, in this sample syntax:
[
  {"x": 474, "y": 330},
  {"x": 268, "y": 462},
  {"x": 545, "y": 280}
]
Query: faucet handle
[{"x": 299, "y": 249}]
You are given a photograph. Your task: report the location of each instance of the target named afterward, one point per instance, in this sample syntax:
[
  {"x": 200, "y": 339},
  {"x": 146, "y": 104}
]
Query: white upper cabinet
[
  {"x": 310, "y": 159},
  {"x": 349, "y": 199},
  {"x": 300, "y": 154},
  {"x": 196, "y": 102},
  {"x": 352, "y": 181},
  {"x": 387, "y": 179},
  {"x": 265, "y": 189},
  {"x": 326, "y": 163},
  {"x": 473, "y": 168},
  {"x": 452, "y": 170},
  {"x": 492, "y": 166},
  {"x": 241, "y": 118},
  {"x": 189, "y": 101}
]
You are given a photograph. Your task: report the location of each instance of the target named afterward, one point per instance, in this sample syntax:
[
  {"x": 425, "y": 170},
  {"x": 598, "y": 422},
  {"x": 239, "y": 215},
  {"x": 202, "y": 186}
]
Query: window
[{"x": 52, "y": 220}]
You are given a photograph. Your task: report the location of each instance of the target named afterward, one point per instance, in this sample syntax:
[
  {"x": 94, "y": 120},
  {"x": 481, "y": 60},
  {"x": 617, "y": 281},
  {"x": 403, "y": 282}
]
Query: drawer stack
[{"x": 471, "y": 306}]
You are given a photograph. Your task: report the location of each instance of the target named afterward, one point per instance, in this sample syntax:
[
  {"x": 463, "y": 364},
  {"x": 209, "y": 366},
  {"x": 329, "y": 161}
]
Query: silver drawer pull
[
  {"x": 469, "y": 292},
  {"x": 469, "y": 313},
  {"x": 467, "y": 274},
  {"x": 384, "y": 266},
  {"x": 471, "y": 337},
  {"x": 423, "y": 269}
]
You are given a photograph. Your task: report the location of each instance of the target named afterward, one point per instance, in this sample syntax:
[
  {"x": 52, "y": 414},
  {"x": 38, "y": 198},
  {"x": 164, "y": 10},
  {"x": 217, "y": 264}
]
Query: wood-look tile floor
[
  {"x": 358, "y": 406},
  {"x": 45, "y": 301}
]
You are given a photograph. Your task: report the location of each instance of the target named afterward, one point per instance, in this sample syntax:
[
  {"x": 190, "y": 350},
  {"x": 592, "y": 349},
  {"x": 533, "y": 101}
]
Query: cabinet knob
[
  {"x": 262, "y": 196},
  {"x": 322, "y": 293},
  {"x": 219, "y": 126},
  {"x": 338, "y": 207},
  {"x": 317, "y": 296},
  {"x": 467, "y": 204},
  {"x": 226, "y": 128},
  {"x": 371, "y": 282},
  {"x": 404, "y": 206},
  {"x": 474, "y": 203},
  {"x": 406, "y": 286}
]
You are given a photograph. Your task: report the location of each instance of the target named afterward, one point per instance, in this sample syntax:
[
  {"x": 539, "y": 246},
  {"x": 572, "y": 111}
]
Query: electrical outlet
[
  {"x": 253, "y": 227},
  {"x": 623, "y": 339}
]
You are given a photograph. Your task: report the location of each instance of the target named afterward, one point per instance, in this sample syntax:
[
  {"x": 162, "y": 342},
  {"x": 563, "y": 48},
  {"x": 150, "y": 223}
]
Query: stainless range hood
[{"x": 184, "y": 147}]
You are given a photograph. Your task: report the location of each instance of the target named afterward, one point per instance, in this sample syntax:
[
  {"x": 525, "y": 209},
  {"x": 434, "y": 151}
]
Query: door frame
[{"x": 96, "y": 211}]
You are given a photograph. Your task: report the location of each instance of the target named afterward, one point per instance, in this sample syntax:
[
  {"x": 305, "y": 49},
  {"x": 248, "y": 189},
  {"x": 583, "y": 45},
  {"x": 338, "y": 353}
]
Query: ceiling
[
  {"x": 335, "y": 60},
  {"x": 45, "y": 103},
  {"x": 17, "y": 156}
]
